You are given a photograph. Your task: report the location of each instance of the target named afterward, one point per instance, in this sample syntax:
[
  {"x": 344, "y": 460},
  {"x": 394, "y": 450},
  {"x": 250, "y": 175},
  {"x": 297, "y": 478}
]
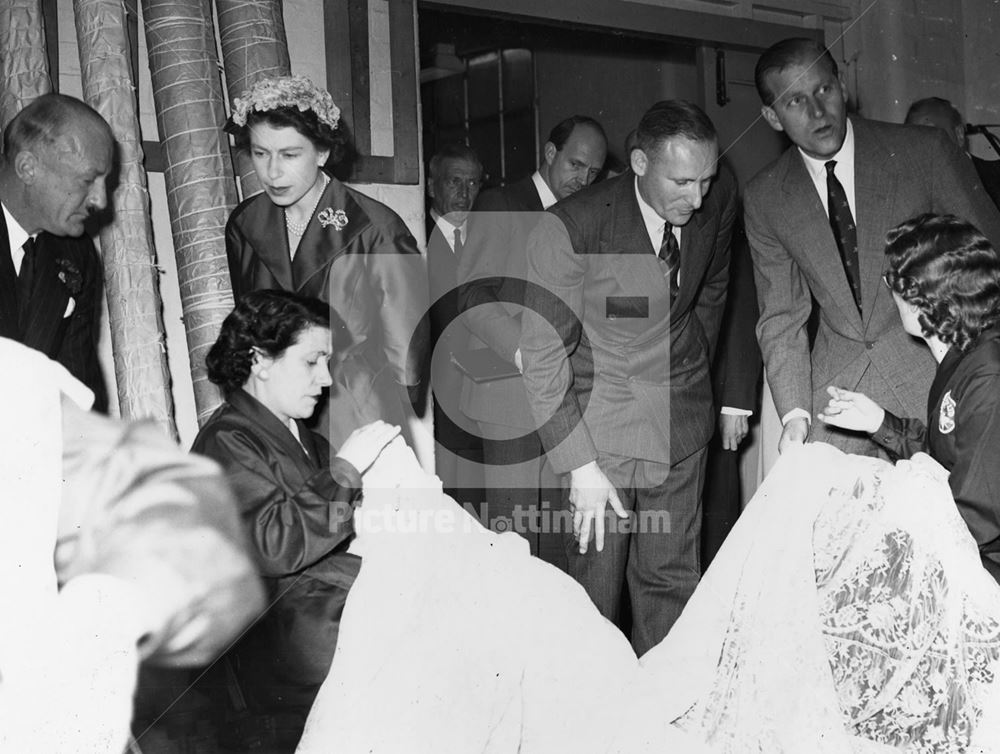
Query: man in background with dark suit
[
  {"x": 816, "y": 219},
  {"x": 492, "y": 272},
  {"x": 57, "y": 155},
  {"x": 736, "y": 374},
  {"x": 940, "y": 113},
  {"x": 628, "y": 281},
  {"x": 455, "y": 175}
]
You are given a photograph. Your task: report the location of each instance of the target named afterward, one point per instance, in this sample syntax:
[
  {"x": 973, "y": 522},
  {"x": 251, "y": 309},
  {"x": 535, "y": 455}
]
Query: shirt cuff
[
  {"x": 730, "y": 411},
  {"x": 796, "y": 413}
]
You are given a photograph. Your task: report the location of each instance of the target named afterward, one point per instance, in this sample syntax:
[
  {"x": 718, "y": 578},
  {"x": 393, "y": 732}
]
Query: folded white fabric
[{"x": 68, "y": 660}]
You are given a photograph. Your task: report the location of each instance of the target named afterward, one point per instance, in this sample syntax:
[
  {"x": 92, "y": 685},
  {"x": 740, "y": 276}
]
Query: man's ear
[
  {"x": 550, "y": 152},
  {"x": 771, "y": 117},
  {"x": 26, "y": 166},
  {"x": 639, "y": 161}
]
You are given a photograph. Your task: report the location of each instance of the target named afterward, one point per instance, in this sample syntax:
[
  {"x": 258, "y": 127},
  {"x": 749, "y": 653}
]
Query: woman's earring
[{"x": 262, "y": 374}]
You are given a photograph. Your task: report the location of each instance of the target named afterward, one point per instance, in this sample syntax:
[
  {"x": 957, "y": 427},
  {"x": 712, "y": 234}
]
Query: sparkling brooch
[{"x": 337, "y": 219}]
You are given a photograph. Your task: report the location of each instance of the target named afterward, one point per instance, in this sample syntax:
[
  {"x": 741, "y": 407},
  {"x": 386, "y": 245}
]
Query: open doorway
[{"x": 501, "y": 85}]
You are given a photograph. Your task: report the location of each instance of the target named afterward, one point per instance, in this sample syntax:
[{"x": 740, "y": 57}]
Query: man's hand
[
  {"x": 732, "y": 428},
  {"x": 852, "y": 411},
  {"x": 794, "y": 433},
  {"x": 517, "y": 361},
  {"x": 589, "y": 493}
]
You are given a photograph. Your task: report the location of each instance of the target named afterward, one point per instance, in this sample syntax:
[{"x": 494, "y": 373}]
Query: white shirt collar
[
  {"x": 653, "y": 222},
  {"x": 844, "y": 169},
  {"x": 544, "y": 192},
  {"x": 448, "y": 229},
  {"x": 15, "y": 233}
]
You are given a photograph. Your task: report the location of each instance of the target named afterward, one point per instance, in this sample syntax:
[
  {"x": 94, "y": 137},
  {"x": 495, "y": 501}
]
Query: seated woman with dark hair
[
  {"x": 945, "y": 278},
  {"x": 296, "y": 497}
]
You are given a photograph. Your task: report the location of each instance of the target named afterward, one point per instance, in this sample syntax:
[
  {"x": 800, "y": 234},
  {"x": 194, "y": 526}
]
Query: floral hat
[{"x": 285, "y": 91}]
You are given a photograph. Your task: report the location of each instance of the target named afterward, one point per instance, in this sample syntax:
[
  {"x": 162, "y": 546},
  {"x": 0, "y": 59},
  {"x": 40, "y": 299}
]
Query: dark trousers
[
  {"x": 655, "y": 553},
  {"x": 721, "y": 500},
  {"x": 525, "y": 497},
  {"x": 458, "y": 457}
]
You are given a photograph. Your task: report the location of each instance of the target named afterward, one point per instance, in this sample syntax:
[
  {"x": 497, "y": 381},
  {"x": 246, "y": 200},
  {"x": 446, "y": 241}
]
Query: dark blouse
[{"x": 963, "y": 434}]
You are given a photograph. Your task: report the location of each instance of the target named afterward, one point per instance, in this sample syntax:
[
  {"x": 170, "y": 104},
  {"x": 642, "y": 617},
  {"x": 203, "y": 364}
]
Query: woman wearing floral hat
[{"x": 310, "y": 234}]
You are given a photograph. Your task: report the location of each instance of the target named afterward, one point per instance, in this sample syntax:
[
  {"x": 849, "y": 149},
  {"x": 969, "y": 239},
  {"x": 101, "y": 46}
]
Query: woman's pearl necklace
[{"x": 297, "y": 229}]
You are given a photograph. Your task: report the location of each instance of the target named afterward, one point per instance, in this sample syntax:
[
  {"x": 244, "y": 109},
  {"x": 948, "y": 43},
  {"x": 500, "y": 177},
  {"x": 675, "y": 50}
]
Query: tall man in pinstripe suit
[
  {"x": 58, "y": 153},
  {"x": 629, "y": 278}
]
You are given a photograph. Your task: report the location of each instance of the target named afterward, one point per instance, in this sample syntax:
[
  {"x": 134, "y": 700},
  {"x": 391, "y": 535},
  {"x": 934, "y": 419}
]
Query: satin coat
[
  {"x": 962, "y": 433},
  {"x": 296, "y": 503},
  {"x": 357, "y": 256}
]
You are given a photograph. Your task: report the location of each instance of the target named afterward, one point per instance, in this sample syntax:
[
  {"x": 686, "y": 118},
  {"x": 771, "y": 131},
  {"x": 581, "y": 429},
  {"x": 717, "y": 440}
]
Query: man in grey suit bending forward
[{"x": 816, "y": 219}]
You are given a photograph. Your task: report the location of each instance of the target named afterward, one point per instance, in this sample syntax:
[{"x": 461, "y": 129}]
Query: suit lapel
[
  {"x": 806, "y": 221},
  {"x": 265, "y": 223},
  {"x": 322, "y": 244},
  {"x": 694, "y": 257},
  {"x": 643, "y": 272},
  {"x": 49, "y": 298},
  {"x": 875, "y": 186},
  {"x": 8, "y": 287}
]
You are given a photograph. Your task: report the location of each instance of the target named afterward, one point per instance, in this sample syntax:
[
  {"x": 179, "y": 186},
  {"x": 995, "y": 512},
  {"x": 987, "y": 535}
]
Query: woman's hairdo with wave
[
  {"x": 268, "y": 321},
  {"x": 949, "y": 270}
]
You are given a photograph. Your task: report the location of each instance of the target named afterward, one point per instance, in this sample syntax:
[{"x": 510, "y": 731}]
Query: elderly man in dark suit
[
  {"x": 627, "y": 286},
  {"x": 454, "y": 178},
  {"x": 492, "y": 273},
  {"x": 57, "y": 155},
  {"x": 816, "y": 219}
]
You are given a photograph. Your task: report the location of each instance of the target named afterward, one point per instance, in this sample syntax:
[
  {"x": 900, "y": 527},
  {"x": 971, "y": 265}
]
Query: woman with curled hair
[
  {"x": 945, "y": 279},
  {"x": 296, "y": 498},
  {"x": 308, "y": 233}
]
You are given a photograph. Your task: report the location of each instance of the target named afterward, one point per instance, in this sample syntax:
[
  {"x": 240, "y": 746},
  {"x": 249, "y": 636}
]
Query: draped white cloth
[
  {"x": 847, "y": 612},
  {"x": 67, "y": 670}
]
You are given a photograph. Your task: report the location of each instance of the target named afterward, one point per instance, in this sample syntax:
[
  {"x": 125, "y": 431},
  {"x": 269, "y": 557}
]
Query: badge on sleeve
[{"x": 946, "y": 419}]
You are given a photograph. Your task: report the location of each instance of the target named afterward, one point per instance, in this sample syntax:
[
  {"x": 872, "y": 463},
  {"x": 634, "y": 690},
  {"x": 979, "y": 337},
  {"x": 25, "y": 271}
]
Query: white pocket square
[{"x": 70, "y": 307}]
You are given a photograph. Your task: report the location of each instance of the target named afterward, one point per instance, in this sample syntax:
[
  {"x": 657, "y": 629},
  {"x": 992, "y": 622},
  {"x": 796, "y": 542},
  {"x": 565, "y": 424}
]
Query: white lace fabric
[{"x": 847, "y": 613}]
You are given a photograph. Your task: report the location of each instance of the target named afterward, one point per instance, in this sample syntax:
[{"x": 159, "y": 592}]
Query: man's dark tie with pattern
[
  {"x": 845, "y": 232},
  {"x": 670, "y": 255},
  {"x": 458, "y": 241},
  {"x": 26, "y": 277}
]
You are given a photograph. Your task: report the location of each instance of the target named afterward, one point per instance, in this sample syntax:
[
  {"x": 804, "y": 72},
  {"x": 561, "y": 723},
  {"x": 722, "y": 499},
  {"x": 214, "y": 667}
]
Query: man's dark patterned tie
[
  {"x": 670, "y": 255},
  {"x": 458, "y": 242},
  {"x": 26, "y": 276},
  {"x": 845, "y": 232}
]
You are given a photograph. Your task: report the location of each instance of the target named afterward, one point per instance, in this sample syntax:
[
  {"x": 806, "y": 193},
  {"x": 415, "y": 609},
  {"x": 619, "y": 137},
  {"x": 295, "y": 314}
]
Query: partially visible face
[
  {"x": 810, "y": 106},
  {"x": 577, "y": 164},
  {"x": 675, "y": 178},
  {"x": 935, "y": 118},
  {"x": 909, "y": 315},
  {"x": 70, "y": 179},
  {"x": 286, "y": 162},
  {"x": 297, "y": 377},
  {"x": 454, "y": 188}
]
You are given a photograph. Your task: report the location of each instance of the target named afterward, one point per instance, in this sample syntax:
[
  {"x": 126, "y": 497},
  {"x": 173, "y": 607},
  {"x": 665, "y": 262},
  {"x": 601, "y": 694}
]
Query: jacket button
[{"x": 869, "y": 344}]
